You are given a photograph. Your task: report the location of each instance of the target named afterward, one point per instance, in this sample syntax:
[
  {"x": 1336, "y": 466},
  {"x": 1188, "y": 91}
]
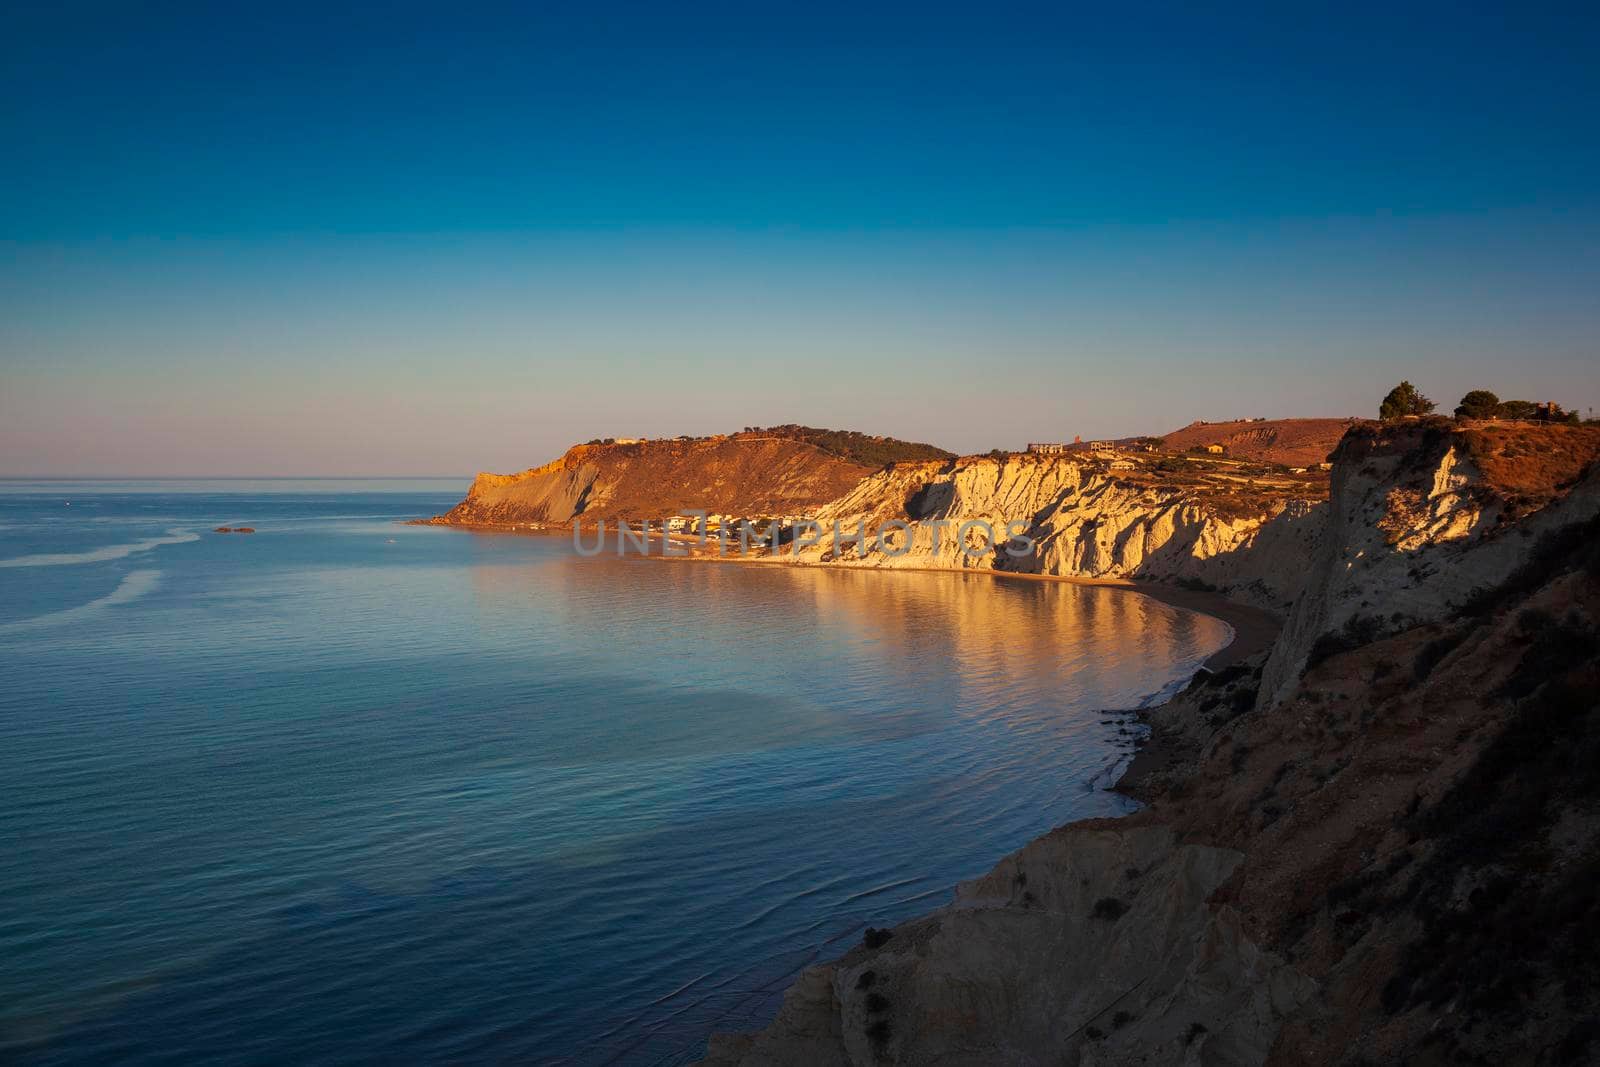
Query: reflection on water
[{"x": 320, "y": 797}]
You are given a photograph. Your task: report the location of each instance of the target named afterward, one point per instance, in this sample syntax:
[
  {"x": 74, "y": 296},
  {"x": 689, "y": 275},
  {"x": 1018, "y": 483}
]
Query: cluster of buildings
[
  {"x": 1106, "y": 450},
  {"x": 1102, "y": 449},
  {"x": 711, "y": 524}
]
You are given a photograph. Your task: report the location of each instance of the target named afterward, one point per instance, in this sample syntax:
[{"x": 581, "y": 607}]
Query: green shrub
[{"x": 865, "y": 449}]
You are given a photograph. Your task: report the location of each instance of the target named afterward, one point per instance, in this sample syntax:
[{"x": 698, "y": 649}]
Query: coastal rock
[
  {"x": 1392, "y": 860},
  {"x": 1091, "y": 945},
  {"x": 1084, "y": 518},
  {"x": 1416, "y": 527},
  {"x": 742, "y": 474}
]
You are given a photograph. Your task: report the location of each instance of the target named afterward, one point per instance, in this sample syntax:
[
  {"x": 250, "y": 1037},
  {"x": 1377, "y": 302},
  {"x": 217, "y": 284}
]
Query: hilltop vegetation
[
  {"x": 862, "y": 449},
  {"x": 869, "y": 450},
  {"x": 1404, "y": 401},
  {"x": 1531, "y": 465}
]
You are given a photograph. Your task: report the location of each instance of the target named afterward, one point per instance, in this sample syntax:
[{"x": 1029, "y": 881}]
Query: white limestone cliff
[{"x": 1082, "y": 518}]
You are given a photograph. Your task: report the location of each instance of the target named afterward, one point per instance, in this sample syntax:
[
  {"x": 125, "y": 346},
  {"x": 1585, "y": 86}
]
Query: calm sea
[{"x": 347, "y": 791}]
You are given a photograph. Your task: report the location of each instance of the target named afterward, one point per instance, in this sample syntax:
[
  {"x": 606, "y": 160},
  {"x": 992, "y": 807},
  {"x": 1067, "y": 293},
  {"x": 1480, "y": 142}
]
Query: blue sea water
[{"x": 350, "y": 791}]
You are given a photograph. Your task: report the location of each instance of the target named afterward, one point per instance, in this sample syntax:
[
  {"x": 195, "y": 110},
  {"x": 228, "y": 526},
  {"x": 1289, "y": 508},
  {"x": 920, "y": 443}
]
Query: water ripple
[
  {"x": 134, "y": 585},
  {"x": 472, "y": 799},
  {"x": 100, "y": 555}
]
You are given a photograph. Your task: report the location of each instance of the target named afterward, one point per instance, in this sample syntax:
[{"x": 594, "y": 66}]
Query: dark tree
[
  {"x": 1518, "y": 409},
  {"x": 1404, "y": 400},
  {"x": 1478, "y": 404}
]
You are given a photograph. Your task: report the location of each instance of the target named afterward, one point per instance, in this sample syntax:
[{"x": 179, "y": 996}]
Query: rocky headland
[
  {"x": 783, "y": 471},
  {"x": 1376, "y": 843},
  {"x": 1202, "y": 522}
]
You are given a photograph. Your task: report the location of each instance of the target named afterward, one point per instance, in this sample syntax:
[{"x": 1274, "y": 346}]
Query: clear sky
[{"x": 433, "y": 239}]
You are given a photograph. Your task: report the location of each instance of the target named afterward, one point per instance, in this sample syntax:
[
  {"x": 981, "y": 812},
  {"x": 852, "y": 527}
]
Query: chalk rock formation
[{"x": 1084, "y": 519}]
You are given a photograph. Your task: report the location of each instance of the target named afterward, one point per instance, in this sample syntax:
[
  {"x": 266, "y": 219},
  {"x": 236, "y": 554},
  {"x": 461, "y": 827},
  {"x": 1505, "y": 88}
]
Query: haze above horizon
[{"x": 284, "y": 241}]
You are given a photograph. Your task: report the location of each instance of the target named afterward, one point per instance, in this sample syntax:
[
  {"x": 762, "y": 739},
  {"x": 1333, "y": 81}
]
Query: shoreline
[{"x": 1253, "y": 629}]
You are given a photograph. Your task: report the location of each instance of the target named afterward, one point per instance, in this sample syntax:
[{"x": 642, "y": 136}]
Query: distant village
[
  {"x": 1127, "y": 453},
  {"x": 1117, "y": 453}
]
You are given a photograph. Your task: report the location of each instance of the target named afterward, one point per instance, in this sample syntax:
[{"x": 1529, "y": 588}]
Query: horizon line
[{"x": 227, "y": 477}]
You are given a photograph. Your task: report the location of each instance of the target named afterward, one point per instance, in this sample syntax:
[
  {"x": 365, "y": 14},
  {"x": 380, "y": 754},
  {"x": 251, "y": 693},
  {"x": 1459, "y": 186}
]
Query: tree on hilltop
[
  {"x": 1518, "y": 410},
  {"x": 1404, "y": 400},
  {"x": 1478, "y": 404},
  {"x": 1528, "y": 411}
]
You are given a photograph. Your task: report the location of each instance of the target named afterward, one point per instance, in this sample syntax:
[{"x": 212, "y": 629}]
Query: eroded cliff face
[
  {"x": 1415, "y": 528},
  {"x": 1084, "y": 518},
  {"x": 740, "y": 474},
  {"x": 1391, "y": 862}
]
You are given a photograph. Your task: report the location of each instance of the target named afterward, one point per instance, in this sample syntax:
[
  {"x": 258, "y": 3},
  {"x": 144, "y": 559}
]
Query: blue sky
[{"x": 425, "y": 240}]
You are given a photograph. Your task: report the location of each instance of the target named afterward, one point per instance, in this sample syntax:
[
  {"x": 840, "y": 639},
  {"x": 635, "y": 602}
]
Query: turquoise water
[{"x": 347, "y": 791}]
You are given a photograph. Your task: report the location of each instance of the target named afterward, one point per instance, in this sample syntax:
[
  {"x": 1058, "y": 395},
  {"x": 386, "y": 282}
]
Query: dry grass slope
[{"x": 1291, "y": 442}]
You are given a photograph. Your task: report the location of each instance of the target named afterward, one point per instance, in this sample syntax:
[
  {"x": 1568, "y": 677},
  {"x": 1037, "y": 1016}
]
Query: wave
[
  {"x": 100, "y": 555},
  {"x": 134, "y": 585}
]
